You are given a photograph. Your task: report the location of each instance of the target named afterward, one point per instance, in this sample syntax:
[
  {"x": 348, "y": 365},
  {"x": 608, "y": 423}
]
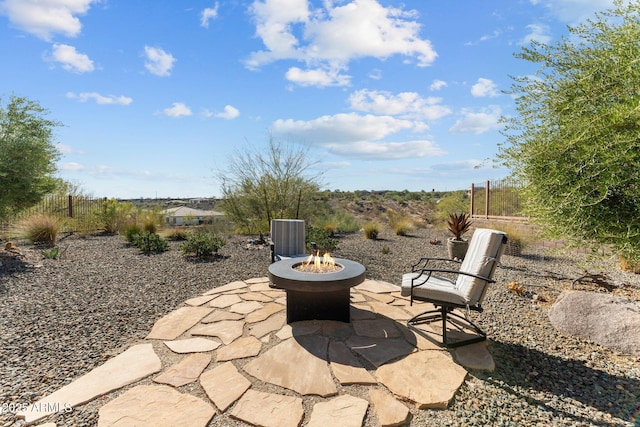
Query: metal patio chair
[
  {"x": 287, "y": 239},
  {"x": 463, "y": 288}
]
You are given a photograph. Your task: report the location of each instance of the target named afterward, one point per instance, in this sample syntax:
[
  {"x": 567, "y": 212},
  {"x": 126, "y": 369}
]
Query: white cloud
[
  {"x": 64, "y": 149},
  {"x": 45, "y": 18},
  {"x": 100, "y": 99},
  {"x": 483, "y": 88},
  {"x": 158, "y": 61},
  {"x": 229, "y": 113},
  {"x": 382, "y": 150},
  {"x": 359, "y": 136},
  {"x": 537, "y": 32},
  {"x": 70, "y": 59},
  {"x": 438, "y": 84},
  {"x": 208, "y": 14},
  {"x": 178, "y": 109},
  {"x": 574, "y": 11},
  {"x": 317, "y": 77},
  {"x": 478, "y": 122},
  {"x": 328, "y": 38},
  {"x": 71, "y": 166},
  {"x": 404, "y": 104}
]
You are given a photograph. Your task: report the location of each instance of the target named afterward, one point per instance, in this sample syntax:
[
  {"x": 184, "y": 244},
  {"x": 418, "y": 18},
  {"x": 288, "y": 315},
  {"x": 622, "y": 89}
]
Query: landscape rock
[
  {"x": 186, "y": 371},
  {"x": 607, "y": 320},
  {"x": 343, "y": 411},
  {"x": 269, "y": 410}
]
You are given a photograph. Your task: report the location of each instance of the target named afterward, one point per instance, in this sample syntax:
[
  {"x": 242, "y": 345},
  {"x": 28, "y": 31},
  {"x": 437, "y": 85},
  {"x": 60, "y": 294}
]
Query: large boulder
[{"x": 610, "y": 321}]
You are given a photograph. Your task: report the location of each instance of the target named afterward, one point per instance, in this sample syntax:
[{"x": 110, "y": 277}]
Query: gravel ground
[{"x": 61, "y": 318}]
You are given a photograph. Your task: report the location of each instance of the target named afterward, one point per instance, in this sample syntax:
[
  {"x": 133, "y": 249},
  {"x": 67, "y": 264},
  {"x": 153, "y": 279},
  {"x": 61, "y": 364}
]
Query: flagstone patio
[{"x": 229, "y": 352}]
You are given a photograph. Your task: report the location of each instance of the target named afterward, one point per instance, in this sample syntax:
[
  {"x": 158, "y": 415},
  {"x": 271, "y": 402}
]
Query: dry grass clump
[{"x": 41, "y": 229}]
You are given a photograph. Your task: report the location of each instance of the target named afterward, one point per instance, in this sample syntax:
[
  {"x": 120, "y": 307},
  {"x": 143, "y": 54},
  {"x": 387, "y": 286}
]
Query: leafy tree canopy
[
  {"x": 27, "y": 155},
  {"x": 260, "y": 186},
  {"x": 575, "y": 145}
]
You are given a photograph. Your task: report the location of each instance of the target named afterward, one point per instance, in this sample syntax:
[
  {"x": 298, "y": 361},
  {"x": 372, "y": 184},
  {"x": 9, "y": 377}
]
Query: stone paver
[
  {"x": 240, "y": 348},
  {"x": 233, "y": 286},
  {"x": 281, "y": 365},
  {"x": 377, "y": 286},
  {"x": 318, "y": 358},
  {"x": 155, "y": 406},
  {"x": 390, "y": 412},
  {"x": 428, "y": 378},
  {"x": 126, "y": 368},
  {"x": 224, "y": 301},
  {"x": 376, "y": 328},
  {"x": 273, "y": 323},
  {"x": 177, "y": 322},
  {"x": 203, "y": 299},
  {"x": 226, "y": 330},
  {"x": 224, "y": 385},
  {"x": 219, "y": 315},
  {"x": 245, "y": 307},
  {"x": 263, "y": 313},
  {"x": 186, "y": 371},
  {"x": 379, "y": 351},
  {"x": 192, "y": 345},
  {"x": 346, "y": 367},
  {"x": 269, "y": 410},
  {"x": 475, "y": 356},
  {"x": 343, "y": 411}
]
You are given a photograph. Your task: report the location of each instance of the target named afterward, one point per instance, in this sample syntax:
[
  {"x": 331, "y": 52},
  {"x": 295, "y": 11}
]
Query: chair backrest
[
  {"x": 485, "y": 249},
  {"x": 288, "y": 237}
]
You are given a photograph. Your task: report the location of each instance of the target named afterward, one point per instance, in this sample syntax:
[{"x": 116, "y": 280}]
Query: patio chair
[
  {"x": 467, "y": 291},
  {"x": 287, "y": 239}
]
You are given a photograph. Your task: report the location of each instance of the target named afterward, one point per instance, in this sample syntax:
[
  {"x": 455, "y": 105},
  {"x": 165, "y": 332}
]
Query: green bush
[
  {"x": 322, "y": 238},
  {"x": 131, "y": 232},
  {"x": 114, "y": 215},
  {"x": 41, "y": 229},
  {"x": 371, "y": 230},
  {"x": 202, "y": 244},
  {"x": 151, "y": 243}
]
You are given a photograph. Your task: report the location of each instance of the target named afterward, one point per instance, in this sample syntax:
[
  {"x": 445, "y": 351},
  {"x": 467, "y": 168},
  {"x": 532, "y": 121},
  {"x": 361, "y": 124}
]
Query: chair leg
[{"x": 443, "y": 314}]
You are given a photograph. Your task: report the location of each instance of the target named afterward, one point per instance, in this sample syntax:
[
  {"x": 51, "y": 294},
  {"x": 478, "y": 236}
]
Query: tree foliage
[
  {"x": 260, "y": 186},
  {"x": 27, "y": 155},
  {"x": 575, "y": 145}
]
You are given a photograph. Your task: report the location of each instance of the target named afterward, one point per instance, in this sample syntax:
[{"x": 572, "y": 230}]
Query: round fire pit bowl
[{"x": 316, "y": 296}]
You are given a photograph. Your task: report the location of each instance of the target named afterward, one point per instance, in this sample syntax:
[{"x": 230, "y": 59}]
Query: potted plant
[{"x": 458, "y": 224}]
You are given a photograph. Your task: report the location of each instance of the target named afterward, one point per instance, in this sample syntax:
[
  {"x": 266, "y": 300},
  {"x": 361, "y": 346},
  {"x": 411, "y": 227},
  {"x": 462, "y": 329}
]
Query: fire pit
[{"x": 317, "y": 296}]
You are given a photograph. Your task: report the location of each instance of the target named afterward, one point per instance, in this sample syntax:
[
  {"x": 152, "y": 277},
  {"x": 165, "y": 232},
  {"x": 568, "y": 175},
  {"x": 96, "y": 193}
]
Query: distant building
[{"x": 183, "y": 215}]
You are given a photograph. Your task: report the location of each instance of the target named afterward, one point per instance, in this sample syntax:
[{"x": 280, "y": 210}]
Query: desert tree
[
  {"x": 279, "y": 182},
  {"x": 28, "y": 155},
  {"x": 575, "y": 143}
]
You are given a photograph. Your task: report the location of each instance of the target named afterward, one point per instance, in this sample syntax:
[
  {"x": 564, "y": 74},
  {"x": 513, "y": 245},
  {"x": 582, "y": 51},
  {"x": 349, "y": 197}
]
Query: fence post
[
  {"x": 70, "y": 198},
  {"x": 486, "y": 200},
  {"x": 473, "y": 193}
]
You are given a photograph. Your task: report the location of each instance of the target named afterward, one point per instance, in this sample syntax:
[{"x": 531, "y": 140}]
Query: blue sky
[{"x": 155, "y": 96}]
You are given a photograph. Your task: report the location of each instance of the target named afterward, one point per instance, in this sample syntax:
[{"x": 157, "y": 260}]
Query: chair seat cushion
[
  {"x": 283, "y": 257},
  {"x": 435, "y": 289}
]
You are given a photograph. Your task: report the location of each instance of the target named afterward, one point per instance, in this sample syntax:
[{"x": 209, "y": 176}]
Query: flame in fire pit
[{"x": 319, "y": 264}]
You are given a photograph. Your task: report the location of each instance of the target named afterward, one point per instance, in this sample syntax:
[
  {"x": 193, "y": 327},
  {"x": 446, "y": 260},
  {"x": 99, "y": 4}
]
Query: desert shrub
[
  {"x": 456, "y": 201},
  {"x": 386, "y": 250},
  {"x": 202, "y": 244},
  {"x": 177, "y": 234},
  {"x": 84, "y": 225},
  {"x": 113, "y": 215},
  {"x": 403, "y": 228},
  {"x": 149, "y": 221},
  {"x": 151, "y": 243},
  {"x": 322, "y": 239},
  {"x": 131, "y": 232},
  {"x": 41, "y": 229},
  {"x": 371, "y": 230}
]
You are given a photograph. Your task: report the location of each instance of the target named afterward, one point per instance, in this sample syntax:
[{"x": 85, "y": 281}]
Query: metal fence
[
  {"x": 497, "y": 199},
  {"x": 78, "y": 208}
]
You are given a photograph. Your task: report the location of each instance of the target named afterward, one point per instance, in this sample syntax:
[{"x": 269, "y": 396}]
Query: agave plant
[{"x": 458, "y": 224}]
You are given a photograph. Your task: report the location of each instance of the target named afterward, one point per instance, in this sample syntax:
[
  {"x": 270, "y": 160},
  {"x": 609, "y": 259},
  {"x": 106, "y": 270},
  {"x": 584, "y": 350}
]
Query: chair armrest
[
  {"x": 422, "y": 262},
  {"x": 445, "y": 270}
]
